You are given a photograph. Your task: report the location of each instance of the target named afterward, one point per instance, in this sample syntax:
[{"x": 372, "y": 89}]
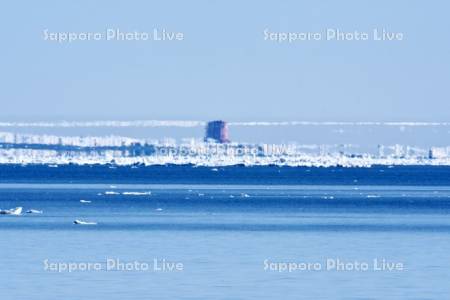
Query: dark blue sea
[{"x": 186, "y": 232}]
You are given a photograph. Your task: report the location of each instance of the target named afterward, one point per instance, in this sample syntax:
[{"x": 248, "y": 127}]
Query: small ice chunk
[{"x": 79, "y": 222}]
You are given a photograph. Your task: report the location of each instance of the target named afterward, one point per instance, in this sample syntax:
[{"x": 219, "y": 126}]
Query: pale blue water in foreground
[{"x": 224, "y": 235}]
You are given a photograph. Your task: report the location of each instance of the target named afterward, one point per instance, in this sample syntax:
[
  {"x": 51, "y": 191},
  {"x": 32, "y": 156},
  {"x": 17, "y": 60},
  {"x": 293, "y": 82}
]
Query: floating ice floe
[
  {"x": 85, "y": 201},
  {"x": 137, "y": 193},
  {"x": 79, "y": 222},
  {"x": 111, "y": 193},
  {"x": 34, "y": 211},
  {"x": 14, "y": 211}
]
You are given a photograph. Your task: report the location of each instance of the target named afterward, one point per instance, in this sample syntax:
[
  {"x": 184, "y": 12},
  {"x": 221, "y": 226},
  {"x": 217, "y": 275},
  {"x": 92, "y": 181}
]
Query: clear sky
[{"x": 224, "y": 68}]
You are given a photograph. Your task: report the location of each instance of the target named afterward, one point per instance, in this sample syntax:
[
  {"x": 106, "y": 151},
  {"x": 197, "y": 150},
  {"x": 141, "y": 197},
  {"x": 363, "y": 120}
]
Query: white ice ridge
[
  {"x": 188, "y": 123},
  {"x": 55, "y": 158},
  {"x": 85, "y": 141},
  {"x": 138, "y": 123},
  {"x": 56, "y": 150},
  {"x": 312, "y": 123}
]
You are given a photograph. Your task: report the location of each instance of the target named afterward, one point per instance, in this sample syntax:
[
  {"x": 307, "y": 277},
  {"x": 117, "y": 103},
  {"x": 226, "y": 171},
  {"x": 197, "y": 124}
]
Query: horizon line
[{"x": 191, "y": 124}]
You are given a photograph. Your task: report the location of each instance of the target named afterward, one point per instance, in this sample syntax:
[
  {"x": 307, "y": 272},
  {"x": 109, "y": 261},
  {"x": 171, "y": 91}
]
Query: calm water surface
[{"x": 223, "y": 231}]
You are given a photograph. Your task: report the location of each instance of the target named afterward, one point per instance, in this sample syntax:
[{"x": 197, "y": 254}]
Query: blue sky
[{"x": 223, "y": 68}]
